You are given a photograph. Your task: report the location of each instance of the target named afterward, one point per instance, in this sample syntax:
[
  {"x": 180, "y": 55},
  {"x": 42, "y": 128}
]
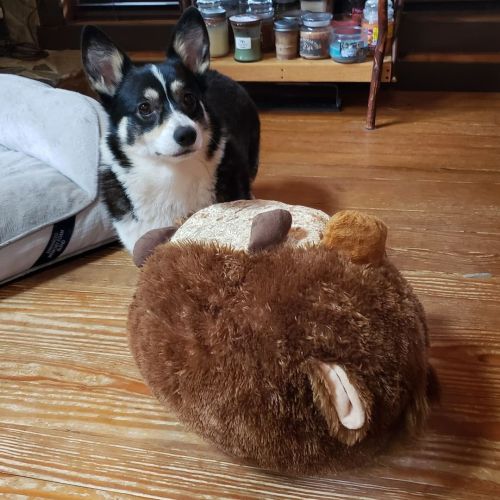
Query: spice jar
[
  {"x": 282, "y": 6},
  {"x": 264, "y": 10},
  {"x": 287, "y": 39},
  {"x": 315, "y": 35},
  {"x": 314, "y": 5},
  {"x": 348, "y": 44},
  {"x": 216, "y": 22},
  {"x": 246, "y": 30}
]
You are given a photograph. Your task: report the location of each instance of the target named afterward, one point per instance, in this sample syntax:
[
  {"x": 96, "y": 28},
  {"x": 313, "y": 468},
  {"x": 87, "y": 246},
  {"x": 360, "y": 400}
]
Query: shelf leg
[{"x": 378, "y": 62}]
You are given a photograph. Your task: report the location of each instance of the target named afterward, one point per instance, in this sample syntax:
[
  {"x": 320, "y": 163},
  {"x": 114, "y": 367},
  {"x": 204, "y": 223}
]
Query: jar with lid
[
  {"x": 247, "y": 44},
  {"x": 286, "y": 33},
  {"x": 370, "y": 24},
  {"x": 348, "y": 44},
  {"x": 264, "y": 10},
  {"x": 216, "y": 23},
  {"x": 315, "y": 35},
  {"x": 282, "y": 6}
]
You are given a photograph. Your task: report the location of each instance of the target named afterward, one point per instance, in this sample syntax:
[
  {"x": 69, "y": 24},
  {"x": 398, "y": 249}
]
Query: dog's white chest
[{"x": 163, "y": 195}]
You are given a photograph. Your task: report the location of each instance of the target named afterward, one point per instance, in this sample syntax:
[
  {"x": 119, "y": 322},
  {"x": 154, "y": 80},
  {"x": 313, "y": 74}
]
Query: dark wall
[{"x": 450, "y": 45}]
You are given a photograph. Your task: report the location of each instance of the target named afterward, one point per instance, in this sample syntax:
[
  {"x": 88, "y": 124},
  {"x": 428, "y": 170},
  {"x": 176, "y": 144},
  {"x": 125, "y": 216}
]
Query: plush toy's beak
[
  {"x": 360, "y": 236},
  {"x": 269, "y": 229},
  {"x": 145, "y": 245}
]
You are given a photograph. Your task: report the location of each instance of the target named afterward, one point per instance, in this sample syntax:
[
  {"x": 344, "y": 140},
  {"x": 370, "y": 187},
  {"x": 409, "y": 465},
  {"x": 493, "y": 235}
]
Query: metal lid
[
  {"x": 316, "y": 19},
  {"x": 214, "y": 13},
  {"x": 286, "y": 25}
]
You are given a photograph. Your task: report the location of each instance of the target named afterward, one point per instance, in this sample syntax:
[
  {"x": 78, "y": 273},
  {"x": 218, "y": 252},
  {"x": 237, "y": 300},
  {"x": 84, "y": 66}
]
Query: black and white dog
[{"x": 181, "y": 136}]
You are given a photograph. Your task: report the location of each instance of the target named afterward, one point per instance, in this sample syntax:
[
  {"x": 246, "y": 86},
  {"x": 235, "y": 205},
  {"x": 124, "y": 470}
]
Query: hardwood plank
[
  {"x": 71, "y": 460},
  {"x": 76, "y": 419},
  {"x": 16, "y": 487}
]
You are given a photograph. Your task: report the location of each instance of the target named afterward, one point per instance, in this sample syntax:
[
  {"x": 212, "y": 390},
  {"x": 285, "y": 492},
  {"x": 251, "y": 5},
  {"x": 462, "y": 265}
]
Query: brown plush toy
[{"x": 298, "y": 357}]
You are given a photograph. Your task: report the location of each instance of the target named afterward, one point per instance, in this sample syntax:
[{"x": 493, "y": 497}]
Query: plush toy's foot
[
  {"x": 358, "y": 235},
  {"x": 145, "y": 245}
]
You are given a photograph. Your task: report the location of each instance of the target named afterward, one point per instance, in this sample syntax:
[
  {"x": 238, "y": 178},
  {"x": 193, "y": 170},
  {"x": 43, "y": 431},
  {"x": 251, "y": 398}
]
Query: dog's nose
[{"x": 185, "y": 136}]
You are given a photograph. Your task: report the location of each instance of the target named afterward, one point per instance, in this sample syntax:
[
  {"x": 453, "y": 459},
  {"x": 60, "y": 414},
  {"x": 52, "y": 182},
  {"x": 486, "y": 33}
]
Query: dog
[{"x": 181, "y": 136}]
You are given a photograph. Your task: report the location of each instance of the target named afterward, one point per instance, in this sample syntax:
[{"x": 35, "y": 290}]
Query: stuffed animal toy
[{"x": 283, "y": 336}]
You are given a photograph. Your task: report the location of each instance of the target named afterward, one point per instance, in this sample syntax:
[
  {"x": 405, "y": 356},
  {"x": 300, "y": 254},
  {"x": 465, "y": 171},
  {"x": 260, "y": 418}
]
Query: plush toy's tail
[{"x": 362, "y": 237}]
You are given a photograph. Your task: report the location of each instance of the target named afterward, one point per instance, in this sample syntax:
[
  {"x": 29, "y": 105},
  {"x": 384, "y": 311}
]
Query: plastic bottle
[{"x": 370, "y": 24}]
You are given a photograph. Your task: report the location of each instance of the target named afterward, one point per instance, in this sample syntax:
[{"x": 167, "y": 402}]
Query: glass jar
[
  {"x": 286, "y": 34},
  {"x": 315, "y": 35},
  {"x": 246, "y": 30},
  {"x": 348, "y": 44},
  {"x": 216, "y": 23},
  {"x": 314, "y": 5},
  {"x": 264, "y": 10},
  {"x": 282, "y": 6}
]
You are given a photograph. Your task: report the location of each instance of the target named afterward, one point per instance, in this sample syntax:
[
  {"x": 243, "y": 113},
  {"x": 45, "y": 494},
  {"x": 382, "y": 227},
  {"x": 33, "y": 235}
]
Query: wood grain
[
  {"x": 270, "y": 69},
  {"x": 76, "y": 421}
]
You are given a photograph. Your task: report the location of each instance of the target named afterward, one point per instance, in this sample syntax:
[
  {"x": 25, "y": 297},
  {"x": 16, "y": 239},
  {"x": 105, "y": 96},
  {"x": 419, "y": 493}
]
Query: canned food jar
[
  {"x": 216, "y": 23},
  {"x": 246, "y": 30},
  {"x": 349, "y": 44},
  {"x": 315, "y": 35},
  {"x": 286, "y": 34}
]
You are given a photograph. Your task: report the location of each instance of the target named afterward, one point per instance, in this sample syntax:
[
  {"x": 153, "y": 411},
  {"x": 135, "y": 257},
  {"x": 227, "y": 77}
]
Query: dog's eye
[
  {"x": 145, "y": 109},
  {"x": 189, "y": 101}
]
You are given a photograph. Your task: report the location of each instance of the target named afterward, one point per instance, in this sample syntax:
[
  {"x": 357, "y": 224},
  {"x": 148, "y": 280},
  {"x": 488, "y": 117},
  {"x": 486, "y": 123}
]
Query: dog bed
[{"x": 49, "y": 159}]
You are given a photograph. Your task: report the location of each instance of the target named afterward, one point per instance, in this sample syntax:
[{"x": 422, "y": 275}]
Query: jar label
[
  {"x": 372, "y": 31},
  {"x": 350, "y": 49},
  {"x": 243, "y": 43}
]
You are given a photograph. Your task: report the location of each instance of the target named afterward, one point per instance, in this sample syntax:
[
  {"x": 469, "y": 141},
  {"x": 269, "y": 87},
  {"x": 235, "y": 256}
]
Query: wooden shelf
[{"x": 270, "y": 69}]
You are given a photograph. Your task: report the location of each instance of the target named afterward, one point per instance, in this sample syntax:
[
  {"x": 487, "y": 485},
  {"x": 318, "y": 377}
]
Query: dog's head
[{"x": 156, "y": 110}]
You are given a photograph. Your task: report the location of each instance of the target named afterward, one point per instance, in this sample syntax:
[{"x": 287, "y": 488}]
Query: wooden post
[{"x": 378, "y": 62}]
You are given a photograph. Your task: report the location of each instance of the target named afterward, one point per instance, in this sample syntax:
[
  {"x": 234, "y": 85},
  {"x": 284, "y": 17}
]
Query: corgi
[{"x": 180, "y": 136}]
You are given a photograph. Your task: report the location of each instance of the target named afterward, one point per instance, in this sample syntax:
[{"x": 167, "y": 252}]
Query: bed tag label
[{"x": 58, "y": 241}]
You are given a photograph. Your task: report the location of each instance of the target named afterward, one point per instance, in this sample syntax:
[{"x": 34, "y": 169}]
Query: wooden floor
[{"x": 77, "y": 421}]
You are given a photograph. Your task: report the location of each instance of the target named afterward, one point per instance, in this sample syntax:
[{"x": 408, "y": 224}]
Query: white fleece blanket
[{"x": 49, "y": 159}]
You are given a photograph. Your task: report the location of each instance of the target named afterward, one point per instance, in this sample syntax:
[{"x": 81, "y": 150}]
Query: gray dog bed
[{"x": 49, "y": 159}]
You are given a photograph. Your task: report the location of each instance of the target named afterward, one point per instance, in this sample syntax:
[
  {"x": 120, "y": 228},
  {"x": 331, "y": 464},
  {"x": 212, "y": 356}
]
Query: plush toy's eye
[
  {"x": 189, "y": 101},
  {"x": 145, "y": 109}
]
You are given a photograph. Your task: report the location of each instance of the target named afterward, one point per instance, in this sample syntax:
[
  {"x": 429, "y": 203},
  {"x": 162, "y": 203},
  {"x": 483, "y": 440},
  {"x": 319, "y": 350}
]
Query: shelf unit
[{"x": 269, "y": 69}]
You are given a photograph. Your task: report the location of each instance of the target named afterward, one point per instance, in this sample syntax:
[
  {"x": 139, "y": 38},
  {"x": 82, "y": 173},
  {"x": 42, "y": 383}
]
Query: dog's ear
[
  {"x": 190, "y": 42},
  {"x": 105, "y": 64}
]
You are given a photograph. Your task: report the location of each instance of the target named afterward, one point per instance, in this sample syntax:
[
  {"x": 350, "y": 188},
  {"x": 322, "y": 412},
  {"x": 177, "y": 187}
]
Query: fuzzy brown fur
[{"x": 232, "y": 342}]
